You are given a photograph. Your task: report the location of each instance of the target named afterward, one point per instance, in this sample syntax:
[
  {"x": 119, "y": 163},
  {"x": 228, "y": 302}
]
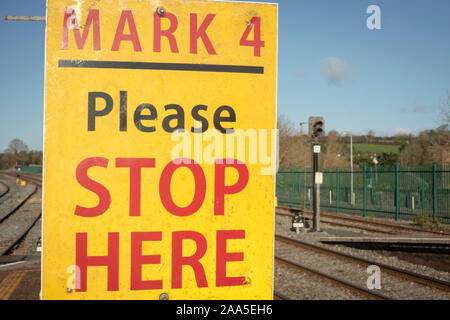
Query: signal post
[{"x": 316, "y": 129}]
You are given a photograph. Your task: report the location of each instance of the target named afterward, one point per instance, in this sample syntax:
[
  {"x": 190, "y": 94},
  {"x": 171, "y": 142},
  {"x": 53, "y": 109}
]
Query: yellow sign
[{"x": 159, "y": 165}]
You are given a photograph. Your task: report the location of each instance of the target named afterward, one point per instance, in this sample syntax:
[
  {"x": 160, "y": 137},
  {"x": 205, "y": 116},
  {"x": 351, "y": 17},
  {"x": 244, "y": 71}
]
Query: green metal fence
[{"x": 396, "y": 192}]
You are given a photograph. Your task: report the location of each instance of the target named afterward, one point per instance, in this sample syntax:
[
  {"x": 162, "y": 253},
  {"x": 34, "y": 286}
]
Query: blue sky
[{"x": 391, "y": 80}]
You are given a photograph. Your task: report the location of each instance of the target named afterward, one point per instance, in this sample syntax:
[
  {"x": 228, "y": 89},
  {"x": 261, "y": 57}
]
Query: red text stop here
[{"x": 138, "y": 259}]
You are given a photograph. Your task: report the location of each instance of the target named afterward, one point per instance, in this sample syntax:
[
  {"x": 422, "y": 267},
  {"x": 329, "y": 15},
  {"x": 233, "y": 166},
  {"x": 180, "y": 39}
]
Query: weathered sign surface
[{"x": 159, "y": 149}]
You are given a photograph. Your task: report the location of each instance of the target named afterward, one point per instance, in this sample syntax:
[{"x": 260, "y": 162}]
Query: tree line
[
  {"x": 426, "y": 148},
  {"x": 17, "y": 154}
]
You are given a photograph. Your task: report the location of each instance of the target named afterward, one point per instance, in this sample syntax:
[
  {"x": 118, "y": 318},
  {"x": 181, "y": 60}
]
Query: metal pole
[
  {"x": 365, "y": 192},
  {"x": 434, "y": 193},
  {"x": 316, "y": 221},
  {"x": 316, "y": 192},
  {"x": 397, "y": 193},
  {"x": 25, "y": 18},
  {"x": 351, "y": 169},
  {"x": 423, "y": 190},
  {"x": 304, "y": 175},
  {"x": 351, "y": 165},
  {"x": 338, "y": 191},
  {"x": 304, "y": 164}
]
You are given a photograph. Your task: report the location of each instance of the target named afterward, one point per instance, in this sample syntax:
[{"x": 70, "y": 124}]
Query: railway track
[
  {"x": 338, "y": 224},
  {"x": 32, "y": 178},
  {"x": 337, "y": 281},
  {"x": 20, "y": 204},
  {"x": 6, "y": 189},
  {"x": 395, "y": 278},
  {"x": 12, "y": 246},
  {"x": 17, "y": 222},
  {"x": 361, "y": 224},
  {"x": 279, "y": 296}
]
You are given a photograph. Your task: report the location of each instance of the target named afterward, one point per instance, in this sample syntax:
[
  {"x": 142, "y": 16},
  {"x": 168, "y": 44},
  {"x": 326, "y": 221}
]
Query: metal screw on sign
[
  {"x": 249, "y": 22},
  {"x": 161, "y": 11},
  {"x": 69, "y": 290},
  {"x": 163, "y": 296}
]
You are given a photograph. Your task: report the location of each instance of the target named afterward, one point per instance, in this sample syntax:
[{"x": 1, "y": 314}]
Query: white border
[
  {"x": 275, "y": 158},
  {"x": 43, "y": 154}
]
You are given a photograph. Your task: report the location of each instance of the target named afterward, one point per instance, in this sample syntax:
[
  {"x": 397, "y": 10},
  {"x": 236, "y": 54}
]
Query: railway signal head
[{"x": 316, "y": 127}]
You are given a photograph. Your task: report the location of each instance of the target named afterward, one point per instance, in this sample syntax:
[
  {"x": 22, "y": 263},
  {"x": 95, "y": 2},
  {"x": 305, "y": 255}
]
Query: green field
[{"x": 375, "y": 148}]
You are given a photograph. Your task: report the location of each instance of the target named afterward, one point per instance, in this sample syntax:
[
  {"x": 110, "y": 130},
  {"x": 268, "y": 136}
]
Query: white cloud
[
  {"x": 420, "y": 108},
  {"x": 402, "y": 131},
  {"x": 425, "y": 108},
  {"x": 335, "y": 69}
]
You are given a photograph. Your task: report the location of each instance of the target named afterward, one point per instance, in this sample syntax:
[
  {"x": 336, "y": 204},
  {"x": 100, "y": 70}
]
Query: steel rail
[
  {"x": 21, "y": 237},
  {"x": 339, "y": 282},
  {"x": 6, "y": 191},
  {"x": 344, "y": 225},
  {"x": 408, "y": 275},
  {"x": 19, "y": 205},
  {"x": 33, "y": 179},
  {"x": 280, "y": 295},
  {"x": 374, "y": 223}
]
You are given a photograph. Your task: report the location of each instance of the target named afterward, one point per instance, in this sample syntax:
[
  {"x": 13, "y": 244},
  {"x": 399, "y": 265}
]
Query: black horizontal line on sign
[{"x": 158, "y": 66}]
